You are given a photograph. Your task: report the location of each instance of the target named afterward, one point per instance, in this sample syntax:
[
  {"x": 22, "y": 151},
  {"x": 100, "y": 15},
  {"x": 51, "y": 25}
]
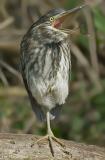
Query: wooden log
[{"x": 24, "y": 147}]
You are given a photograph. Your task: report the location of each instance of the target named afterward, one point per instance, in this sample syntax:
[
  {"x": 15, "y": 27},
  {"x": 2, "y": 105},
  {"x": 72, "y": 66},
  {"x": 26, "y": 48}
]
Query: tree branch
[
  {"x": 12, "y": 92},
  {"x": 24, "y": 147}
]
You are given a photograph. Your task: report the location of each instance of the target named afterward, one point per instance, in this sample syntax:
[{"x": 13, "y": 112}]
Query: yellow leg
[
  {"x": 50, "y": 133},
  {"x": 50, "y": 136}
]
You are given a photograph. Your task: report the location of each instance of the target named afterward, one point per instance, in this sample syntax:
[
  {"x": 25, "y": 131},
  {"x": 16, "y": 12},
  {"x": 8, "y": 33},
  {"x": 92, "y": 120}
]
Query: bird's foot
[
  {"x": 50, "y": 137},
  {"x": 58, "y": 141}
]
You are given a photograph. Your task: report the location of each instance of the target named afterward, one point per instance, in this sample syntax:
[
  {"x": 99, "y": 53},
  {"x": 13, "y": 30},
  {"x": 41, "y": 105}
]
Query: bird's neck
[{"x": 49, "y": 34}]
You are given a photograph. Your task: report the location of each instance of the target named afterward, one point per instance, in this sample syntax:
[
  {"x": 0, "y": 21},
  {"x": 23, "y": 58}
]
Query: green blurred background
[{"x": 83, "y": 116}]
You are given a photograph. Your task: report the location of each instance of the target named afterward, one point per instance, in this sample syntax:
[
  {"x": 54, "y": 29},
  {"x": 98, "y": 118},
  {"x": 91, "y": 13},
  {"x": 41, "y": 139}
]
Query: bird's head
[
  {"x": 49, "y": 29},
  {"x": 56, "y": 17}
]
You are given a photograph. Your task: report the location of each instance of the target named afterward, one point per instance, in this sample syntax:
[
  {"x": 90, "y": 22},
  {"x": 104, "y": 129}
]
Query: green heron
[{"x": 46, "y": 65}]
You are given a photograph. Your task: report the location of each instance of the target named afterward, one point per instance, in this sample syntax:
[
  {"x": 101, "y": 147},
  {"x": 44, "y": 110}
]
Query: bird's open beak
[{"x": 69, "y": 13}]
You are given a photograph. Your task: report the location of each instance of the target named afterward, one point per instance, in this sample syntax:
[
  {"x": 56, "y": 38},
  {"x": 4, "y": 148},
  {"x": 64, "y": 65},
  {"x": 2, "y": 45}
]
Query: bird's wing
[{"x": 35, "y": 106}]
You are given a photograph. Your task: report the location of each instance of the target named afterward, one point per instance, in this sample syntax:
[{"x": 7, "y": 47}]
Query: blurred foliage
[
  {"x": 83, "y": 116},
  {"x": 99, "y": 19}
]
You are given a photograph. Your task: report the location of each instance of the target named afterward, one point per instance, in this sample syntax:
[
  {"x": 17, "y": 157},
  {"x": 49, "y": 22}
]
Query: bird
[{"x": 46, "y": 65}]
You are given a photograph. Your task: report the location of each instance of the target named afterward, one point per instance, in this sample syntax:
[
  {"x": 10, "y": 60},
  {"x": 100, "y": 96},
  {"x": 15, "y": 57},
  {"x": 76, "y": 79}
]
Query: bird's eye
[{"x": 52, "y": 19}]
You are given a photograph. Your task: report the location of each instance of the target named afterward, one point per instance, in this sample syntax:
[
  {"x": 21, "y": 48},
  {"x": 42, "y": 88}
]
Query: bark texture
[{"x": 24, "y": 147}]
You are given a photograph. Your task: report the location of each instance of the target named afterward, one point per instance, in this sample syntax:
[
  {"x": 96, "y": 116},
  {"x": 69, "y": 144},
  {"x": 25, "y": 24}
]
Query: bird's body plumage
[{"x": 46, "y": 67}]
